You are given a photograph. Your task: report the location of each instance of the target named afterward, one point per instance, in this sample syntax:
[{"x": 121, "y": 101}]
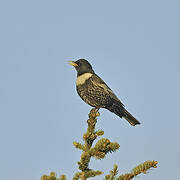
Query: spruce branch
[
  {"x": 62, "y": 177},
  {"x": 112, "y": 174},
  {"x": 99, "y": 151},
  {"x": 102, "y": 147},
  {"x": 79, "y": 146},
  {"x": 142, "y": 168},
  {"x": 77, "y": 176},
  {"x": 52, "y": 176}
]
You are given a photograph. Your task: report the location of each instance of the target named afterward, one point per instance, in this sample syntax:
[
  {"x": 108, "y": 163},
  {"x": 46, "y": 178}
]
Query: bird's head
[{"x": 82, "y": 66}]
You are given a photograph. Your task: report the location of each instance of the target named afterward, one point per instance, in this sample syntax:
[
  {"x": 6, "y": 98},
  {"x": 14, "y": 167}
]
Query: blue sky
[{"x": 133, "y": 45}]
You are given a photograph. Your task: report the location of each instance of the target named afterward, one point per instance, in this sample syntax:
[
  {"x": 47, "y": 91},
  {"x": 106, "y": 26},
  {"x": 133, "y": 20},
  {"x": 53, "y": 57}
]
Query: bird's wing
[{"x": 97, "y": 81}]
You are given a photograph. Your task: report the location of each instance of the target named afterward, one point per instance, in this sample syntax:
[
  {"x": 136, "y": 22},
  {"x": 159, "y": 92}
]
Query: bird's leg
[{"x": 96, "y": 110}]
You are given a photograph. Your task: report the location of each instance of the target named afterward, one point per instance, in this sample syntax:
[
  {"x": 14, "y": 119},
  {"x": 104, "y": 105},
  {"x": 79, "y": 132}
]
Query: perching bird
[{"x": 94, "y": 91}]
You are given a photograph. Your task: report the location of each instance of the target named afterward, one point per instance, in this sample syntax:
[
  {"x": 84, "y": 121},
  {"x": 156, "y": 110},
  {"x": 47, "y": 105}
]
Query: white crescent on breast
[{"x": 82, "y": 78}]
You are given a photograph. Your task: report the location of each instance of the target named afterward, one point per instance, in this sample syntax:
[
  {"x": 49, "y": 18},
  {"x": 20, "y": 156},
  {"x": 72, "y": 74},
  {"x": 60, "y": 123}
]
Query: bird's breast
[
  {"x": 92, "y": 94},
  {"x": 82, "y": 78}
]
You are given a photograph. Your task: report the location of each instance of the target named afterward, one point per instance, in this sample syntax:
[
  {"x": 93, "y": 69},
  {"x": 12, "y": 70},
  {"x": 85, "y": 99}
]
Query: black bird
[{"x": 94, "y": 91}]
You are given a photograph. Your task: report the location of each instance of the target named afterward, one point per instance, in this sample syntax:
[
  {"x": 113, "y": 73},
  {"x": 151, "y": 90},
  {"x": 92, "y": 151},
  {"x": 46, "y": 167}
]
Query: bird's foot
[{"x": 96, "y": 111}]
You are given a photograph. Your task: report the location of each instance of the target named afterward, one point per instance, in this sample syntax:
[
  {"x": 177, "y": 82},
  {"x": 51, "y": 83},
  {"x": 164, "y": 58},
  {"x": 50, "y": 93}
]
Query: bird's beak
[{"x": 72, "y": 63}]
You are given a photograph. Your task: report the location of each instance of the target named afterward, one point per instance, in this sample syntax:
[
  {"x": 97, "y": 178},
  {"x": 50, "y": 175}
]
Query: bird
[{"x": 95, "y": 92}]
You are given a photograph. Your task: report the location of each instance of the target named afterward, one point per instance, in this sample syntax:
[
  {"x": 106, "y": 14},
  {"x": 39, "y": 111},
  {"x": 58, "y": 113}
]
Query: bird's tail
[
  {"x": 119, "y": 110},
  {"x": 132, "y": 120}
]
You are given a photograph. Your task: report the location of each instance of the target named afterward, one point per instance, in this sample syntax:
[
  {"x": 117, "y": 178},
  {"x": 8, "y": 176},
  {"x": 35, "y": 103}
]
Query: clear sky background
[{"x": 134, "y": 45}]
